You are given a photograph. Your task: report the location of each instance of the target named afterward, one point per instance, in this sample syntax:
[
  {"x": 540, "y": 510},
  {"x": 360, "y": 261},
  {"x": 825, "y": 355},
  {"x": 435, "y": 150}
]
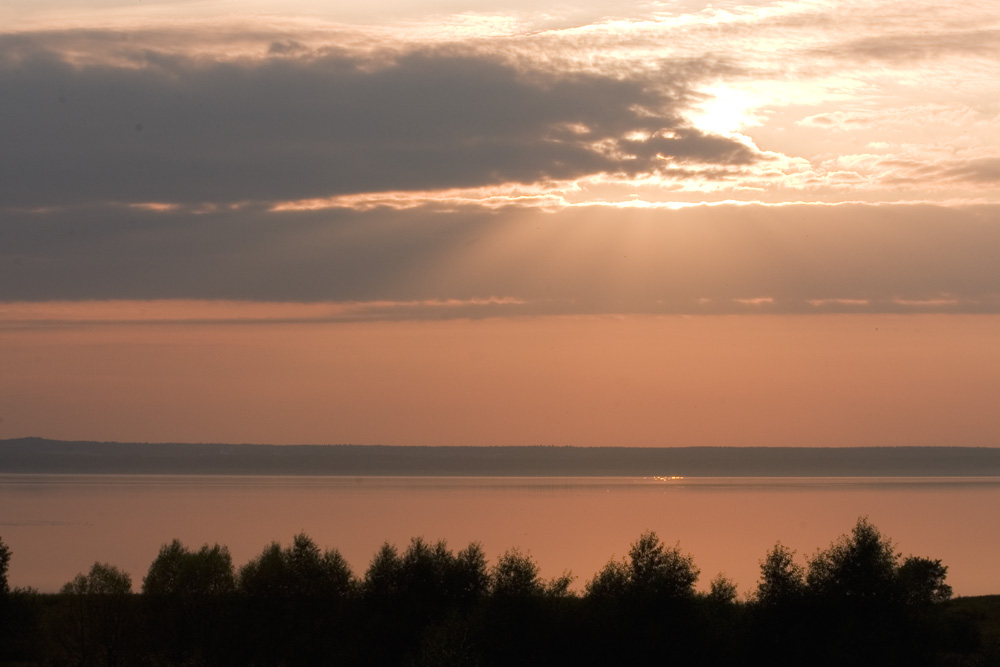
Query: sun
[{"x": 725, "y": 110}]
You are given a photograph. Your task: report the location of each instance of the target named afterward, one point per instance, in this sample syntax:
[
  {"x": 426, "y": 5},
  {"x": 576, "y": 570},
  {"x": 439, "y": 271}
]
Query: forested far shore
[
  {"x": 42, "y": 456},
  {"x": 857, "y": 602}
]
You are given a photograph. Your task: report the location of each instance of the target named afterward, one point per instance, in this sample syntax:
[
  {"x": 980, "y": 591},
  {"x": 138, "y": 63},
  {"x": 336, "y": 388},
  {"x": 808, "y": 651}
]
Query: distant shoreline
[{"x": 44, "y": 456}]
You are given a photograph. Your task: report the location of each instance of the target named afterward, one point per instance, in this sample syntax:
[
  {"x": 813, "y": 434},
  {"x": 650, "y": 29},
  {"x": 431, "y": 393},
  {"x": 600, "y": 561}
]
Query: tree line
[{"x": 857, "y": 602}]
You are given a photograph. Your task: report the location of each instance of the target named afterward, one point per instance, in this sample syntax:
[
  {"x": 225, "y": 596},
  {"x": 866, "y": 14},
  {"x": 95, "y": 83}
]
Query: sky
[{"x": 509, "y": 223}]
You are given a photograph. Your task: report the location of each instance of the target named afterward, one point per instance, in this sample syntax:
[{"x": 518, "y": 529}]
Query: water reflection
[{"x": 59, "y": 525}]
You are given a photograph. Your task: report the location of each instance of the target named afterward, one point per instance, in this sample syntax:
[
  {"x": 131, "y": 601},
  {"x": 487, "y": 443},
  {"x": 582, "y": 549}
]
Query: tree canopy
[
  {"x": 782, "y": 580},
  {"x": 299, "y": 570},
  {"x": 861, "y": 566},
  {"x": 177, "y": 570},
  {"x": 4, "y": 565},
  {"x": 652, "y": 570},
  {"x": 103, "y": 579},
  {"x": 855, "y": 602}
]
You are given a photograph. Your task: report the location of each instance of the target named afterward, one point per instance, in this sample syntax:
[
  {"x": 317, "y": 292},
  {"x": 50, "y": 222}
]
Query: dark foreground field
[
  {"x": 57, "y": 630},
  {"x": 856, "y": 603}
]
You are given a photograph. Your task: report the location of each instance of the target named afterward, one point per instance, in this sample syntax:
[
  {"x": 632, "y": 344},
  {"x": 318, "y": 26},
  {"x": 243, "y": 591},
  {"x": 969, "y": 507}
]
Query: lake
[{"x": 59, "y": 525}]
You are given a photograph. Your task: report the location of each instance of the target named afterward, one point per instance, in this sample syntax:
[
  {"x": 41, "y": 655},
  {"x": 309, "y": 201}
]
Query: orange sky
[
  {"x": 571, "y": 380},
  {"x": 471, "y": 222}
]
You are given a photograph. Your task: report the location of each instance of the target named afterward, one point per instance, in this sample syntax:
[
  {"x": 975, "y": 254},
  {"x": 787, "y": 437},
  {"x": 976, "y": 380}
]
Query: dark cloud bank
[
  {"x": 154, "y": 127},
  {"x": 806, "y": 258},
  {"x": 79, "y": 141}
]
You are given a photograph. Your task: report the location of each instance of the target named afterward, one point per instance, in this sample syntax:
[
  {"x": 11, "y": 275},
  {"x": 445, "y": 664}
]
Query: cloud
[
  {"x": 971, "y": 172},
  {"x": 898, "y": 118},
  {"x": 157, "y": 127},
  {"x": 796, "y": 258},
  {"x": 917, "y": 46},
  {"x": 977, "y": 170},
  {"x": 64, "y": 314}
]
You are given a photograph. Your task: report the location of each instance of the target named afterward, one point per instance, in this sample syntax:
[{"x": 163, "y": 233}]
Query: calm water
[{"x": 58, "y": 525}]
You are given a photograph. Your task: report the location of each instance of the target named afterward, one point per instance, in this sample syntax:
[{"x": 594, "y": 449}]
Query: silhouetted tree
[
  {"x": 722, "y": 590},
  {"x": 782, "y": 622},
  {"x": 416, "y": 593},
  {"x": 857, "y": 604},
  {"x": 922, "y": 581},
  {"x": 430, "y": 574},
  {"x": 858, "y": 597},
  {"x": 522, "y": 614},
  {"x": 782, "y": 580},
  {"x": 658, "y": 572},
  {"x": 102, "y": 580},
  {"x": 651, "y": 571},
  {"x": 610, "y": 582},
  {"x": 422, "y": 571},
  {"x": 644, "y": 602},
  {"x": 558, "y": 587},
  {"x": 179, "y": 571},
  {"x": 299, "y": 571},
  {"x": 515, "y": 575},
  {"x": 322, "y": 575},
  {"x": 860, "y": 566},
  {"x": 382, "y": 577},
  {"x": 469, "y": 578},
  {"x": 186, "y": 597},
  {"x": 98, "y": 615},
  {"x": 6, "y": 620},
  {"x": 294, "y": 603},
  {"x": 4, "y": 564}
]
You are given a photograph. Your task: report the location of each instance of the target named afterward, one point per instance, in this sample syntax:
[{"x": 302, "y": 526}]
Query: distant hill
[{"x": 38, "y": 455}]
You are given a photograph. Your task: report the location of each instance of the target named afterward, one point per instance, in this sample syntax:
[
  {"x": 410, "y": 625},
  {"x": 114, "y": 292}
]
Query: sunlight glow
[
  {"x": 726, "y": 111},
  {"x": 539, "y": 195}
]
